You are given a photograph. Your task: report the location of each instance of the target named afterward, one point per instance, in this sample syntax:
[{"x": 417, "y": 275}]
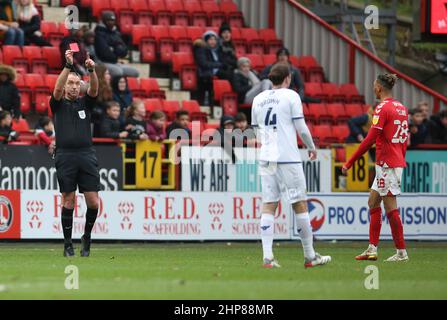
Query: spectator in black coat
[
  {"x": 6, "y": 127},
  {"x": 437, "y": 128},
  {"x": 110, "y": 125},
  {"x": 418, "y": 128},
  {"x": 229, "y": 58},
  {"x": 208, "y": 58},
  {"x": 359, "y": 127},
  {"x": 179, "y": 127},
  {"x": 246, "y": 83},
  {"x": 29, "y": 21},
  {"x": 110, "y": 47},
  {"x": 9, "y": 94},
  {"x": 121, "y": 93}
]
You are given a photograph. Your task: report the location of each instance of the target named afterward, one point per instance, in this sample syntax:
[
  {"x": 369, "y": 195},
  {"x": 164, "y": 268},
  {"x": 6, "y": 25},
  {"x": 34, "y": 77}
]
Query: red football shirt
[{"x": 391, "y": 117}]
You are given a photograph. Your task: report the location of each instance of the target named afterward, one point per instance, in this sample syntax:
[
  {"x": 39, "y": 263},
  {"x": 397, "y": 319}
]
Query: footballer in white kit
[{"x": 277, "y": 116}]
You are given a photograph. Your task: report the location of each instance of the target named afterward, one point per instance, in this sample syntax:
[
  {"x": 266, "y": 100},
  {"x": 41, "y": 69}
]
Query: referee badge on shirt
[
  {"x": 81, "y": 114},
  {"x": 375, "y": 119}
]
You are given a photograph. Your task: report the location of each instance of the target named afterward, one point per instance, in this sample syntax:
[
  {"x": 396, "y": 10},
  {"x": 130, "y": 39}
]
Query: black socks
[
  {"x": 90, "y": 221},
  {"x": 67, "y": 224}
]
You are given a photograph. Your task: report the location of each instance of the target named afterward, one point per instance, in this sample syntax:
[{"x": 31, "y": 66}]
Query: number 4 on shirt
[{"x": 268, "y": 121}]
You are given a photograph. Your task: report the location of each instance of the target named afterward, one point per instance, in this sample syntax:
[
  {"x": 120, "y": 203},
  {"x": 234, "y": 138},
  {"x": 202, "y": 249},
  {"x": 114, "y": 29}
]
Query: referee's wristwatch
[{"x": 68, "y": 66}]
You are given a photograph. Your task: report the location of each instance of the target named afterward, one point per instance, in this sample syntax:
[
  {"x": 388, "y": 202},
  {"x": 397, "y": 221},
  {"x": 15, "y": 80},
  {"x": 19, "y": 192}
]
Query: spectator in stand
[
  {"x": 228, "y": 54},
  {"x": 10, "y": 29},
  {"x": 224, "y": 136},
  {"x": 89, "y": 42},
  {"x": 241, "y": 123},
  {"x": 208, "y": 58},
  {"x": 179, "y": 125},
  {"x": 246, "y": 83},
  {"x": 75, "y": 36},
  {"x": 110, "y": 125},
  {"x": 110, "y": 47},
  {"x": 297, "y": 84},
  {"x": 29, "y": 21},
  {"x": 156, "y": 126},
  {"x": 105, "y": 95},
  {"x": 437, "y": 128},
  {"x": 121, "y": 94},
  {"x": 9, "y": 94},
  {"x": 45, "y": 132},
  {"x": 135, "y": 121},
  {"x": 425, "y": 109},
  {"x": 418, "y": 128},
  {"x": 359, "y": 127},
  {"x": 6, "y": 127}
]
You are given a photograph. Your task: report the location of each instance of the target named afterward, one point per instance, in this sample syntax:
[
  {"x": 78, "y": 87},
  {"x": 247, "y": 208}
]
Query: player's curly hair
[{"x": 387, "y": 80}]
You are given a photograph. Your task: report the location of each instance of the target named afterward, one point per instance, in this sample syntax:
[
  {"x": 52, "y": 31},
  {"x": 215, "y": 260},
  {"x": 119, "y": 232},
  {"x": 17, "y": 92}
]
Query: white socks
[
  {"x": 305, "y": 231},
  {"x": 267, "y": 231}
]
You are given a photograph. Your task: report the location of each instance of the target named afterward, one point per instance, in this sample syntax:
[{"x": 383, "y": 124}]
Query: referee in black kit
[{"x": 76, "y": 163}]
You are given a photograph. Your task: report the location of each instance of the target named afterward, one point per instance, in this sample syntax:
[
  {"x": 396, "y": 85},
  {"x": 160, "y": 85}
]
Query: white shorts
[
  {"x": 387, "y": 181},
  {"x": 287, "y": 179}
]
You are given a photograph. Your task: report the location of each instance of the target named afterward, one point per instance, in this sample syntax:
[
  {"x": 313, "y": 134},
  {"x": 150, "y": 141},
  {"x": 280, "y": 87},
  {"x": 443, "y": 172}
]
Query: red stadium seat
[
  {"x": 313, "y": 89},
  {"x": 184, "y": 65},
  {"x": 141, "y": 35},
  {"x": 85, "y": 3},
  {"x": 195, "y": 32},
  {"x": 35, "y": 59},
  {"x": 227, "y": 98},
  {"x": 51, "y": 31},
  {"x": 158, "y": 8},
  {"x": 239, "y": 42},
  {"x": 341, "y": 132},
  {"x": 269, "y": 59},
  {"x": 340, "y": 154},
  {"x": 180, "y": 36},
  {"x": 139, "y": 32},
  {"x": 319, "y": 113},
  {"x": 38, "y": 88},
  {"x": 354, "y": 109},
  {"x": 333, "y": 92},
  {"x": 314, "y": 72},
  {"x": 98, "y": 6},
  {"x": 323, "y": 135},
  {"x": 63, "y": 29},
  {"x": 337, "y": 112},
  {"x": 12, "y": 55},
  {"x": 170, "y": 107},
  {"x": 180, "y": 16},
  {"x": 234, "y": 17},
  {"x": 25, "y": 94},
  {"x": 53, "y": 57},
  {"x": 165, "y": 43},
  {"x": 349, "y": 90},
  {"x": 194, "y": 110},
  {"x": 125, "y": 15},
  {"x": 255, "y": 43},
  {"x": 20, "y": 125},
  {"x": 198, "y": 17},
  {"x": 134, "y": 86},
  {"x": 65, "y": 3},
  {"x": 215, "y": 16},
  {"x": 257, "y": 62},
  {"x": 50, "y": 81},
  {"x": 151, "y": 88},
  {"x": 272, "y": 43},
  {"x": 152, "y": 104},
  {"x": 143, "y": 14}
]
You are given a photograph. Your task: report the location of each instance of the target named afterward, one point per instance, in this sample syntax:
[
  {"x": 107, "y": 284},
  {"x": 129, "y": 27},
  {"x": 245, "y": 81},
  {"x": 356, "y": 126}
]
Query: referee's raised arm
[
  {"x": 93, "y": 88},
  {"x": 62, "y": 79}
]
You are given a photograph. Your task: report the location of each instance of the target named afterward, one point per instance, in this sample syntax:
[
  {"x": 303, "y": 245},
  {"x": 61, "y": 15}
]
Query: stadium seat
[
  {"x": 165, "y": 43},
  {"x": 197, "y": 16},
  {"x": 35, "y": 59},
  {"x": 98, "y": 6},
  {"x": 314, "y": 72},
  {"x": 39, "y": 90},
  {"x": 20, "y": 125},
  {"x": 314, "y": 90},
  {"x": 180, "y": 16},
  {"x": 85, "y": 3},
  {"x": 354, "y": 109},
  {"x": 62, "y": 29},
  {"x": 192, "y": 106},
  {"x": 170, "y": 107},
  {"x": 269, "y": 59},
  {"x": 215, "y": 16},
  {"x": 272, "y": 43},
  {"x": 333, "y": 92},
  {"x": 337, "y": 112},
  {"x": 152, "y": 104},
  {"x": 48, "y": 27},
  {"x": 323, "y": 135},
  {"x": 141, "y": 36},
  {"x": 295, "y": 61},
  {"x": 257, "y": 62},
  {"x": 124, "y": 14},
  {"x": 180, "y": 36},
  {"x": 340, "y": 155},
  {"x": 25, "y": 94},
  {"x": 349, "y": 90},
  {"x": 319, "y": 113},
  {"x": 195, "y": 32},
  {"x": 183, "y": 64},
  {"x": 239, "y": 42},
  {"x": 234, "y": 17},
  {"x": 341, "y": 132},
  {"x": 139, "y": 32},
  {"x": 135, "y": 88},
  {"x": 161, "y": 14},
  {"x": 151, "y": 88},
  {"x": 12, "y": 55},
  {"x": 224, "y": 94},
  {"x": 255, "y": 43},
  {"x": 143, "y": 14},
  {"x": 50, "y": 81},
  {"x": 53, "y": 56},
  {"x": 64, "y": 3}
]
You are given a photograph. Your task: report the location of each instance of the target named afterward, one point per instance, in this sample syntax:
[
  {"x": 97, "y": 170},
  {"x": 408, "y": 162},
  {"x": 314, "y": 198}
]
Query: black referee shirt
[{"x": 72, "y": 122}]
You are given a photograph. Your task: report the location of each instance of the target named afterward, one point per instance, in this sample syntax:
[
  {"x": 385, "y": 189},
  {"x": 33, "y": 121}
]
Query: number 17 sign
[{"x": 148, "y": 164}]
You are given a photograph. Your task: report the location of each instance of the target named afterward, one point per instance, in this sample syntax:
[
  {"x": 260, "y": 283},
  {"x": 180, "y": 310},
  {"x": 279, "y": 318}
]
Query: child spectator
[
  {"x": 156, "y": 126},
  {"x": 179, "y": 125},
  {"x": 29, "y": 21},
  {"x": 437, "y": 127},
  {"x": 6, "y": 127},
  {"x": 9, "y": 94},
  {"x": 110, "y": 125},
  {"x": 45, "y": 132},
  {"x": 135, "y": 121},
  {"x": 418, "y": 129},
  {"x": 241, "y": 123}
]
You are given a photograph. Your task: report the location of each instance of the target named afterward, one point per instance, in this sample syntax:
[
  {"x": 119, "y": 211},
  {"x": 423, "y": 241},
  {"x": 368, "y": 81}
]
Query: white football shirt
[{"x": 273, "y": 113}]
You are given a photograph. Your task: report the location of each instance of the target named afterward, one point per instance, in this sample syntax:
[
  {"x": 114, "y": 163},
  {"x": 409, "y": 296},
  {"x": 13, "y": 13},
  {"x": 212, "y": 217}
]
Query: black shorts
[{"x": 77, "y": 168}]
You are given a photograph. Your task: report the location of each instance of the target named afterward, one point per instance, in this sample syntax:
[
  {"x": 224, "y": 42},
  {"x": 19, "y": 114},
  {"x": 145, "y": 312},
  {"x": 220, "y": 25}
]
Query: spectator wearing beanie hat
[{"x": 228, "y": 50}]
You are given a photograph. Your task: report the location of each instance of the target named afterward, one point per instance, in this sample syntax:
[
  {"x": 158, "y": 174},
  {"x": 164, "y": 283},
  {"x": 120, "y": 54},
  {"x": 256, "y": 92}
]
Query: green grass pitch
[{"x": 218, "y": 271}]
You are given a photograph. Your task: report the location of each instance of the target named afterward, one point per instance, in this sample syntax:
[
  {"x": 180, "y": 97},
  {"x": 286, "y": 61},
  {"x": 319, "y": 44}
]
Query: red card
[{"x": 74, "y": 47}]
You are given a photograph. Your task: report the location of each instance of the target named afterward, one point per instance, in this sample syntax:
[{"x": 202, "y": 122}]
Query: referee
[{"x": 76, "y": 163}]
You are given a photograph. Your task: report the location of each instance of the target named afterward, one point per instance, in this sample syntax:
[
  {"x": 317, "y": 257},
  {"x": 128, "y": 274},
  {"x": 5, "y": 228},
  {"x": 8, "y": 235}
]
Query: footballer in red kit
[{"x": 389, "y": 131}]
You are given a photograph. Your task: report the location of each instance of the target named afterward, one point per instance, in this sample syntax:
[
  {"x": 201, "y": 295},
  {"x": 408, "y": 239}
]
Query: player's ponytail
[{"x": 387, "y": 80}]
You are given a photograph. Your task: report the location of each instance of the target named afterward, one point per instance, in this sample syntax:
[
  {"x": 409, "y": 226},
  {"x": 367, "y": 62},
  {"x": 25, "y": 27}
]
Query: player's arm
[
  {"x": 306, "y": 136},
  {"x": 62, "y": 79},
  {"x": 366, "y": 144},
  {"x": 93, "y": 88}
]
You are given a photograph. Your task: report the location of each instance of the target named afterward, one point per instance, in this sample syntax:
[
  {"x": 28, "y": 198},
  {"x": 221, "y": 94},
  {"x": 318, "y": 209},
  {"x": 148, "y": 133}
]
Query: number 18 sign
[{"x": 358, "y": 177}]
